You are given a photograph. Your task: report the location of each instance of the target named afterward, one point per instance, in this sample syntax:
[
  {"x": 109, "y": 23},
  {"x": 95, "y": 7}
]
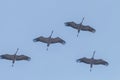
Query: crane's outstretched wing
[
  {"x": 22, "y": 57},
  {"x": 11, "y": 57},
  {"x": 7, "y": 56},
  {"x": 84, "y": 60},
  {"x": 57, "y": 40},
  {"x": 72, "y": 24},
  {"x": 100, "y": 62},
  {"x": 41, "y": 39},
  {"x": 88, "y": 28},
  {"x": 95, "y": 61}
]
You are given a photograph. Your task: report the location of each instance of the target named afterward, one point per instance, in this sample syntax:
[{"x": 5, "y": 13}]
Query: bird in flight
[
  {"x": 49, "y": 40},
  {"x": 80, "y": 26},
  {"x": 14, "y": 57},
  {"x": 92, "y": 61}
]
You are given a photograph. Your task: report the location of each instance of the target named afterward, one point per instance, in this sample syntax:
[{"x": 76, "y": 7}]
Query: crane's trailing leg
[
  {"x": 47, "y": 46},
  {"x": 78, "y": 32},
  {"x": 14, "y": 57},
  {"x": 91, "y": 65}
]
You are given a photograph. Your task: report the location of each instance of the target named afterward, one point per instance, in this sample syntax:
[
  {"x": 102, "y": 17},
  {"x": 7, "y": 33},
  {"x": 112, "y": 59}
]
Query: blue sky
[{"x": 22, "y": 21}]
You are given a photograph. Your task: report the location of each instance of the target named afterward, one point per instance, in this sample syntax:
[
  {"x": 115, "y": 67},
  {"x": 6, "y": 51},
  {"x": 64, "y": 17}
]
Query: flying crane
[
  {"x": 80, "y": 26},
  {"x": 92, "y": 61},
  {"x": 49, "y": 40},
  {"x": 14, "y": 57}
]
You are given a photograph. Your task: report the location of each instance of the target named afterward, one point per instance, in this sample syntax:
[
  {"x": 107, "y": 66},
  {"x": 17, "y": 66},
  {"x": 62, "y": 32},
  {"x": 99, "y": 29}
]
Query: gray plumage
[
  {"x": 80, "y": 26},
  {"x": 14, "y": 57},
  {"x": 49, "y": 40},
  {"x": 18, "y": 57},
  {"x": 93, "y": 61}
]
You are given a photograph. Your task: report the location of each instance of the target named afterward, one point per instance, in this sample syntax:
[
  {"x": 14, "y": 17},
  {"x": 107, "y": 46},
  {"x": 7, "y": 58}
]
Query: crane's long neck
[
  {"x": 82, "y": 21},
  {"x": 80, "y": 26},
  {"x": 92, "y": 59},
  {"x": 51, "y": 34},
  {"x": 93, "y": 55},
  {"x": 14, "y": 58},
  {"x": 49, "y": 38}
]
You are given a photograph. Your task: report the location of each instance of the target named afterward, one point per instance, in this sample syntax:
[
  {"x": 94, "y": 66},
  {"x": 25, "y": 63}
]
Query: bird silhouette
[
  {"x": 14, "y": 57},
  {"x": 93, "y": 61},
  {"x": 80, "y": 26},
  {"x": 49, "y": 40}
]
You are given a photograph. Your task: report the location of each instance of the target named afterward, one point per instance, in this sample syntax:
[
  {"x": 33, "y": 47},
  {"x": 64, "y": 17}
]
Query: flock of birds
[{"x": 49, "y": 40}]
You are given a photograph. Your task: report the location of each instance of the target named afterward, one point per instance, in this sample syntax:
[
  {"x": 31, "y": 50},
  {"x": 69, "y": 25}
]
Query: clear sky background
[{"x": 23, "y": 20}]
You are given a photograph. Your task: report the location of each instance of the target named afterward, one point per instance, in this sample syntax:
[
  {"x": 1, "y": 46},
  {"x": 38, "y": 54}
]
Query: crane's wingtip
[
  {"x": 63, "y": 42},
  {"x": 93, "y": 30},
  {"x": 2, "y": 56},
  {"x": 35, "y": 40},
  {"x": 78, "y": 60},
  {"x": 28, "y": 58},
  {"x": 106, "y": 63},
  {"x": 67, "y": 23}
]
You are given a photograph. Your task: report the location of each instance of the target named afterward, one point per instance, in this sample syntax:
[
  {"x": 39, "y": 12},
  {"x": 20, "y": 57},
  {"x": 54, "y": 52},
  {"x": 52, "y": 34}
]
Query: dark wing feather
[
  {"x": 11, "y": 57},
  {"x": 94, "y": 61},
  {"x": 7, "y": 56},
  {"x": 88, "y": 28},
  {"x": 57, "y": 40},
  {"x": 84, "y": 60},
  {"x": 41, "y": 39},
  {"x": 72, "y": 24},
  {"x": 100, "y": 61},
  {"x": 22, "y": 57}
]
